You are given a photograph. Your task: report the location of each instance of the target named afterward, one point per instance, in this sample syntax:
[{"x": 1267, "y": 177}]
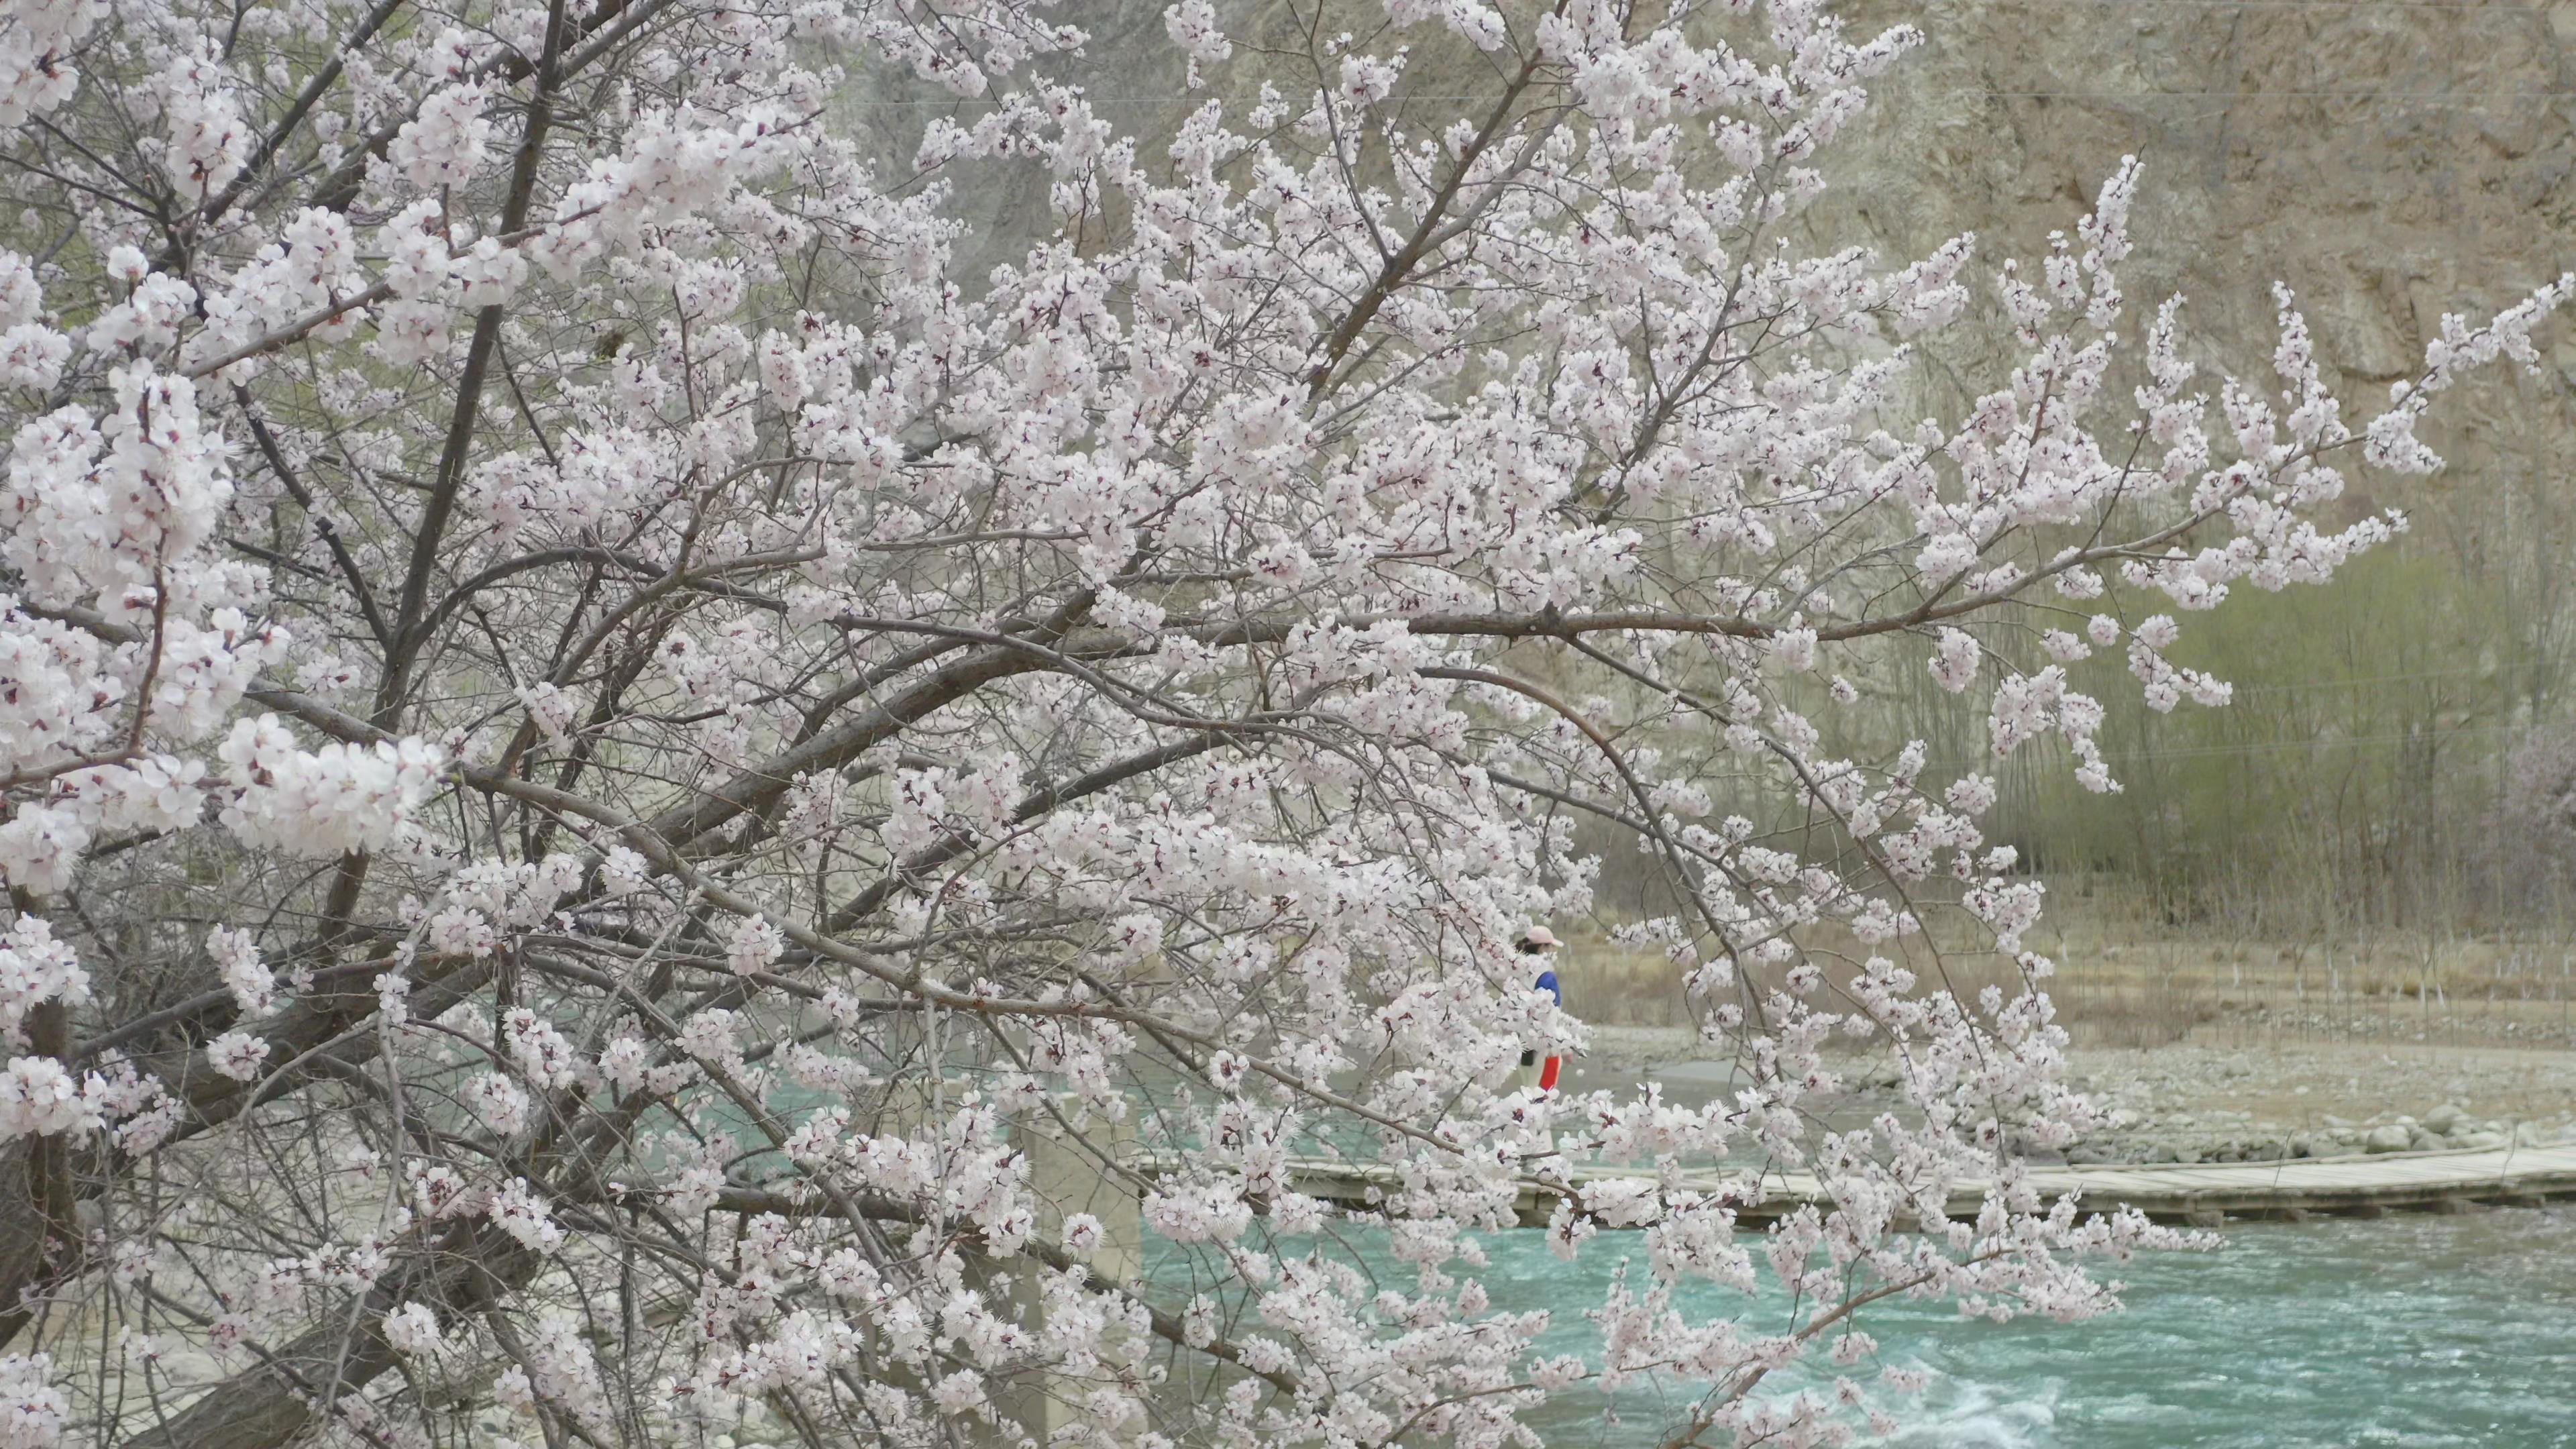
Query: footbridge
[{"x": 2203, "y": 1194}]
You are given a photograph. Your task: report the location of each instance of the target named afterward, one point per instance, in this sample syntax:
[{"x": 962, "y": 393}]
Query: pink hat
[{"x": 1539, "y": 936}]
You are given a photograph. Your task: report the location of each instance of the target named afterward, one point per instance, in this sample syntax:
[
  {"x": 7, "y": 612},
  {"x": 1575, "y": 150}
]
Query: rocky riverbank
[
  {"x": 2200, "y": 1102},
  {"x": 2194, "y": 1102},
  {"x": 2240, "y": 1137}
]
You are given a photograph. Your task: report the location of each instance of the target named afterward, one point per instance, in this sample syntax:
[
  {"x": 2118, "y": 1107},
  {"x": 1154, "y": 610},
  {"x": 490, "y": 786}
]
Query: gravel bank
[{"x": 2201, "y": 1102}]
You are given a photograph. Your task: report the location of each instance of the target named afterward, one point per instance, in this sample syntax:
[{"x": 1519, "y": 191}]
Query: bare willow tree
[{"x": 633, "y": 810}]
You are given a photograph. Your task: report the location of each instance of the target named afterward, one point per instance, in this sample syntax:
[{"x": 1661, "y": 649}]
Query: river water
[
  {"x": 2425, "y": 1331},
  {"x": 2418, "y": 1331},
  {"x": 2421, "y": 1331}
]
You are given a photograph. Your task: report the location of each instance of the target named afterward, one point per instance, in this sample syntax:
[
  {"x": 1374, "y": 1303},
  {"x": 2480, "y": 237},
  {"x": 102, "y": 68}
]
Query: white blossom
[
  {"x": 687, "y": 662},
  {"x": 40, "y": 1099},
  {"x": 237, "y": 1054},
  {"x": 32, "y": 1411}
]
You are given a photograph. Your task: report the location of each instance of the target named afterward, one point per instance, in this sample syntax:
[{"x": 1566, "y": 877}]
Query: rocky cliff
[{"x": 2388, "y": 159}]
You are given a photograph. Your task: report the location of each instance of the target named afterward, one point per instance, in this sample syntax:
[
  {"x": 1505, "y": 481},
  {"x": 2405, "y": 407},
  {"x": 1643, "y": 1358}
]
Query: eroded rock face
[{"x": 2387, "y": 162}]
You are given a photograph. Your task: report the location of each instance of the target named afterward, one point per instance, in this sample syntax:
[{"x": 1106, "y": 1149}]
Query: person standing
[{"x": 1538, "y": 944}]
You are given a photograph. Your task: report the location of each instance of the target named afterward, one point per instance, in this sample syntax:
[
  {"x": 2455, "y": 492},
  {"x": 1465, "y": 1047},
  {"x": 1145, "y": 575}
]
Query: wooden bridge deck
[{"x": 2204, "y": 1194}]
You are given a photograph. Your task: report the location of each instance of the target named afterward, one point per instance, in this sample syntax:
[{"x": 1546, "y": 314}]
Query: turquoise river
[{"x": 2414, "y": 1330}]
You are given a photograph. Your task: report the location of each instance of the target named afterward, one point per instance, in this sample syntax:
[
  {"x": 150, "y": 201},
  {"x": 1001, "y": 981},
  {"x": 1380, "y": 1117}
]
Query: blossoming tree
[{"x": 603, "y": 750}]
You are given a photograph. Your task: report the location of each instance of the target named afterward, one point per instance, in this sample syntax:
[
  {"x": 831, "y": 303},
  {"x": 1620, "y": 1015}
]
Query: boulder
[
  {"x": 2443, "y": 1119},
  {"x": 2480, "y": 1141},
  {"x": 2391, "y": 1138},
  {"x": 190, "y": 1366}
]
